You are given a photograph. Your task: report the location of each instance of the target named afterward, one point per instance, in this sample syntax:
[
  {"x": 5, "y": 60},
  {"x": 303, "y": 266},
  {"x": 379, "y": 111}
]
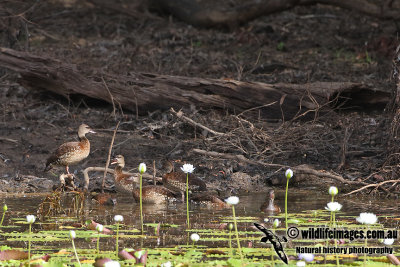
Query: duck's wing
[{"x": 62, "y": 151}]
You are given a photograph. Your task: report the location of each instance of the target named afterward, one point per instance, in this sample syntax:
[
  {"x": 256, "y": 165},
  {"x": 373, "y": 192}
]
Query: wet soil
[{"x": 304, "y": 44}]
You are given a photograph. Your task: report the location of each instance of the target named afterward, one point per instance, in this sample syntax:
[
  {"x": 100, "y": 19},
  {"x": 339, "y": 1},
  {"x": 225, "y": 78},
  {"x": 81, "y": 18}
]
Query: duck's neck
[
  {"x": 84, "y": 143},
  {"x": 118, "y": 173},
  {"x": 271, "y": 204},
  {"x": 81, "y": 136}
]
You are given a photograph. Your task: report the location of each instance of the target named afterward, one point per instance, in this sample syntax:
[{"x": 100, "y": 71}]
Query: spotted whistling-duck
[
  {"x": 209, "y": 200},
  {"x": 153, "y": 194},
  {"x": 176, "y": 181},
  {"x": 269, "y": 206},
  {"x": 72, "y": 152}
]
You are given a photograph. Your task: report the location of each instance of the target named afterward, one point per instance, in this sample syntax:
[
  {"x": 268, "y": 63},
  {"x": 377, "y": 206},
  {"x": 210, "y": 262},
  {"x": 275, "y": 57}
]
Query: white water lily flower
[
  {"x": 194, "y": 237},
  {"x": 187, "y": 168},
  {"x": 308, "y": 257},
  {"x": 72, "y": 234},
  {"x": 276, "y": 223},
  {"x": 367, "y": 218},
  {"x": 232, "y": 200},
  {"x": 288, "y": 174},
  {"x": 388, "y": 242},
  {"x": 333, "y": 191},
  {"x": 30, "y": 218},
  {"x": 112, "y": 264},
  {"x": 99, "y": 228},
  {"x": 333, "y": 206},
  {"x": 166, "y": 264},
  {"x": 118, "y": 218},
  {"x": 142, "y": 168},
  {"x": 300, "y": 263}
]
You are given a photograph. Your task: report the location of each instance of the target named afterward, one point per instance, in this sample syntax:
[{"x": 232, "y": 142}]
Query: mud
[{"x": 304, "y": 44}]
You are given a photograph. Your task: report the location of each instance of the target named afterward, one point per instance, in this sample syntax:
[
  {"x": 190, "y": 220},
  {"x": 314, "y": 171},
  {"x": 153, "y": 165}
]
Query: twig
[
  {"x": 86, "y": 174},
  {"x": 154, "y": 172},
  {"x": 136, "y": 103},
  {"x": 240, "y": 158},
  {"x": 307, "y": 170},
  {"x": 8, "y": 139},
  {"x": 108, "y": 158},
  {"x": 372, "y": 185},
  {"x": 344, "y": 148},
  {"x": 180, "y": 115},
  {"x": 111, "y": 97}
]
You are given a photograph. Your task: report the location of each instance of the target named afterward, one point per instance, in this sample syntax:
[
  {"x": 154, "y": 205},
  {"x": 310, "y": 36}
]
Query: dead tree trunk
[
  {"x": 217, "y": 14},
  {"x": 148, "y": 92}
]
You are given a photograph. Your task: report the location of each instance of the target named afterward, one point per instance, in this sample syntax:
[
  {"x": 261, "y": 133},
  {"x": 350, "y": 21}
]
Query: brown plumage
[
  {"x": 154, "y": 194},
  {"x": 126, "y": 183},
  {"x": 176, "y": 181},
  {"x": 72, "y": 152},
  {"x": 268, "y": 206},
  {"x": 104, "y": 199},
  {"x": 209, "y": 200}
]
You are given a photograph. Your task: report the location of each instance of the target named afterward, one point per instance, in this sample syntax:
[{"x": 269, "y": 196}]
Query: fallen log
[
  {"x": 145, "y": 92},
  {"x": 224, "y": 14}
]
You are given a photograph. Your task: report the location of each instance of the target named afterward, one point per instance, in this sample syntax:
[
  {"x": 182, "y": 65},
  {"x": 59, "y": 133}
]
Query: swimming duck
[
  {"x": 176, "y": 181},
  {"x": 151, "y": 194},
  {"x": 72, "y": 152},
  {"x": 269, "y": 206},
  {"x": 209, "y": 200},
  {"x": 103, "y": 199}
]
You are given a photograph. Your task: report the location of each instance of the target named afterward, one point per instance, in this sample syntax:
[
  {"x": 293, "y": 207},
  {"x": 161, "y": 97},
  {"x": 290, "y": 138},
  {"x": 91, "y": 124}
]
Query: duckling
[
  {"x": 268, "y": 206},
  {"x": 176, "y": 181},
  {"x": 151, "y": 194},
  {"x": 72, "y": 152}
]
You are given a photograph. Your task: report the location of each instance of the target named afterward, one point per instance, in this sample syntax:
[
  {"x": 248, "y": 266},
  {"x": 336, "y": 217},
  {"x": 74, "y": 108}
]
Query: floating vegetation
[{"x": 221, "y": 239}]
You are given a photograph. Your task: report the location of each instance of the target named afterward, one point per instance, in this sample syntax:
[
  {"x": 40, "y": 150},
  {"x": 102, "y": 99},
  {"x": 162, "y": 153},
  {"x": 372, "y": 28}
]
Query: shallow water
[
  {"x": 202, "y": 218},
  {"x": 299, "y": 201}
]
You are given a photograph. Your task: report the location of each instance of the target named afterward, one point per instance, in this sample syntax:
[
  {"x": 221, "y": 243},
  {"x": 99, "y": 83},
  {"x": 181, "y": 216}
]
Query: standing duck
[
  {"x": 176, "y": 181},
  {"x": 126, "y": 183},
  {"x": 268, "y": 206},
  {"x": 72, "y": 152}
]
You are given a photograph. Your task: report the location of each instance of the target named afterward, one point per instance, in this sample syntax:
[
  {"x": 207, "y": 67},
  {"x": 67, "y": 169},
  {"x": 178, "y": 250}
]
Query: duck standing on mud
[{"x": 72, "y": 152}]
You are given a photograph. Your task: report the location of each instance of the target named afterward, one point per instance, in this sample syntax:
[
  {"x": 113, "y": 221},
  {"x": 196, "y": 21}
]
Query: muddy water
[
  {"x": 299, "y": 201},
  {"x": 201, "y": 217}
]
